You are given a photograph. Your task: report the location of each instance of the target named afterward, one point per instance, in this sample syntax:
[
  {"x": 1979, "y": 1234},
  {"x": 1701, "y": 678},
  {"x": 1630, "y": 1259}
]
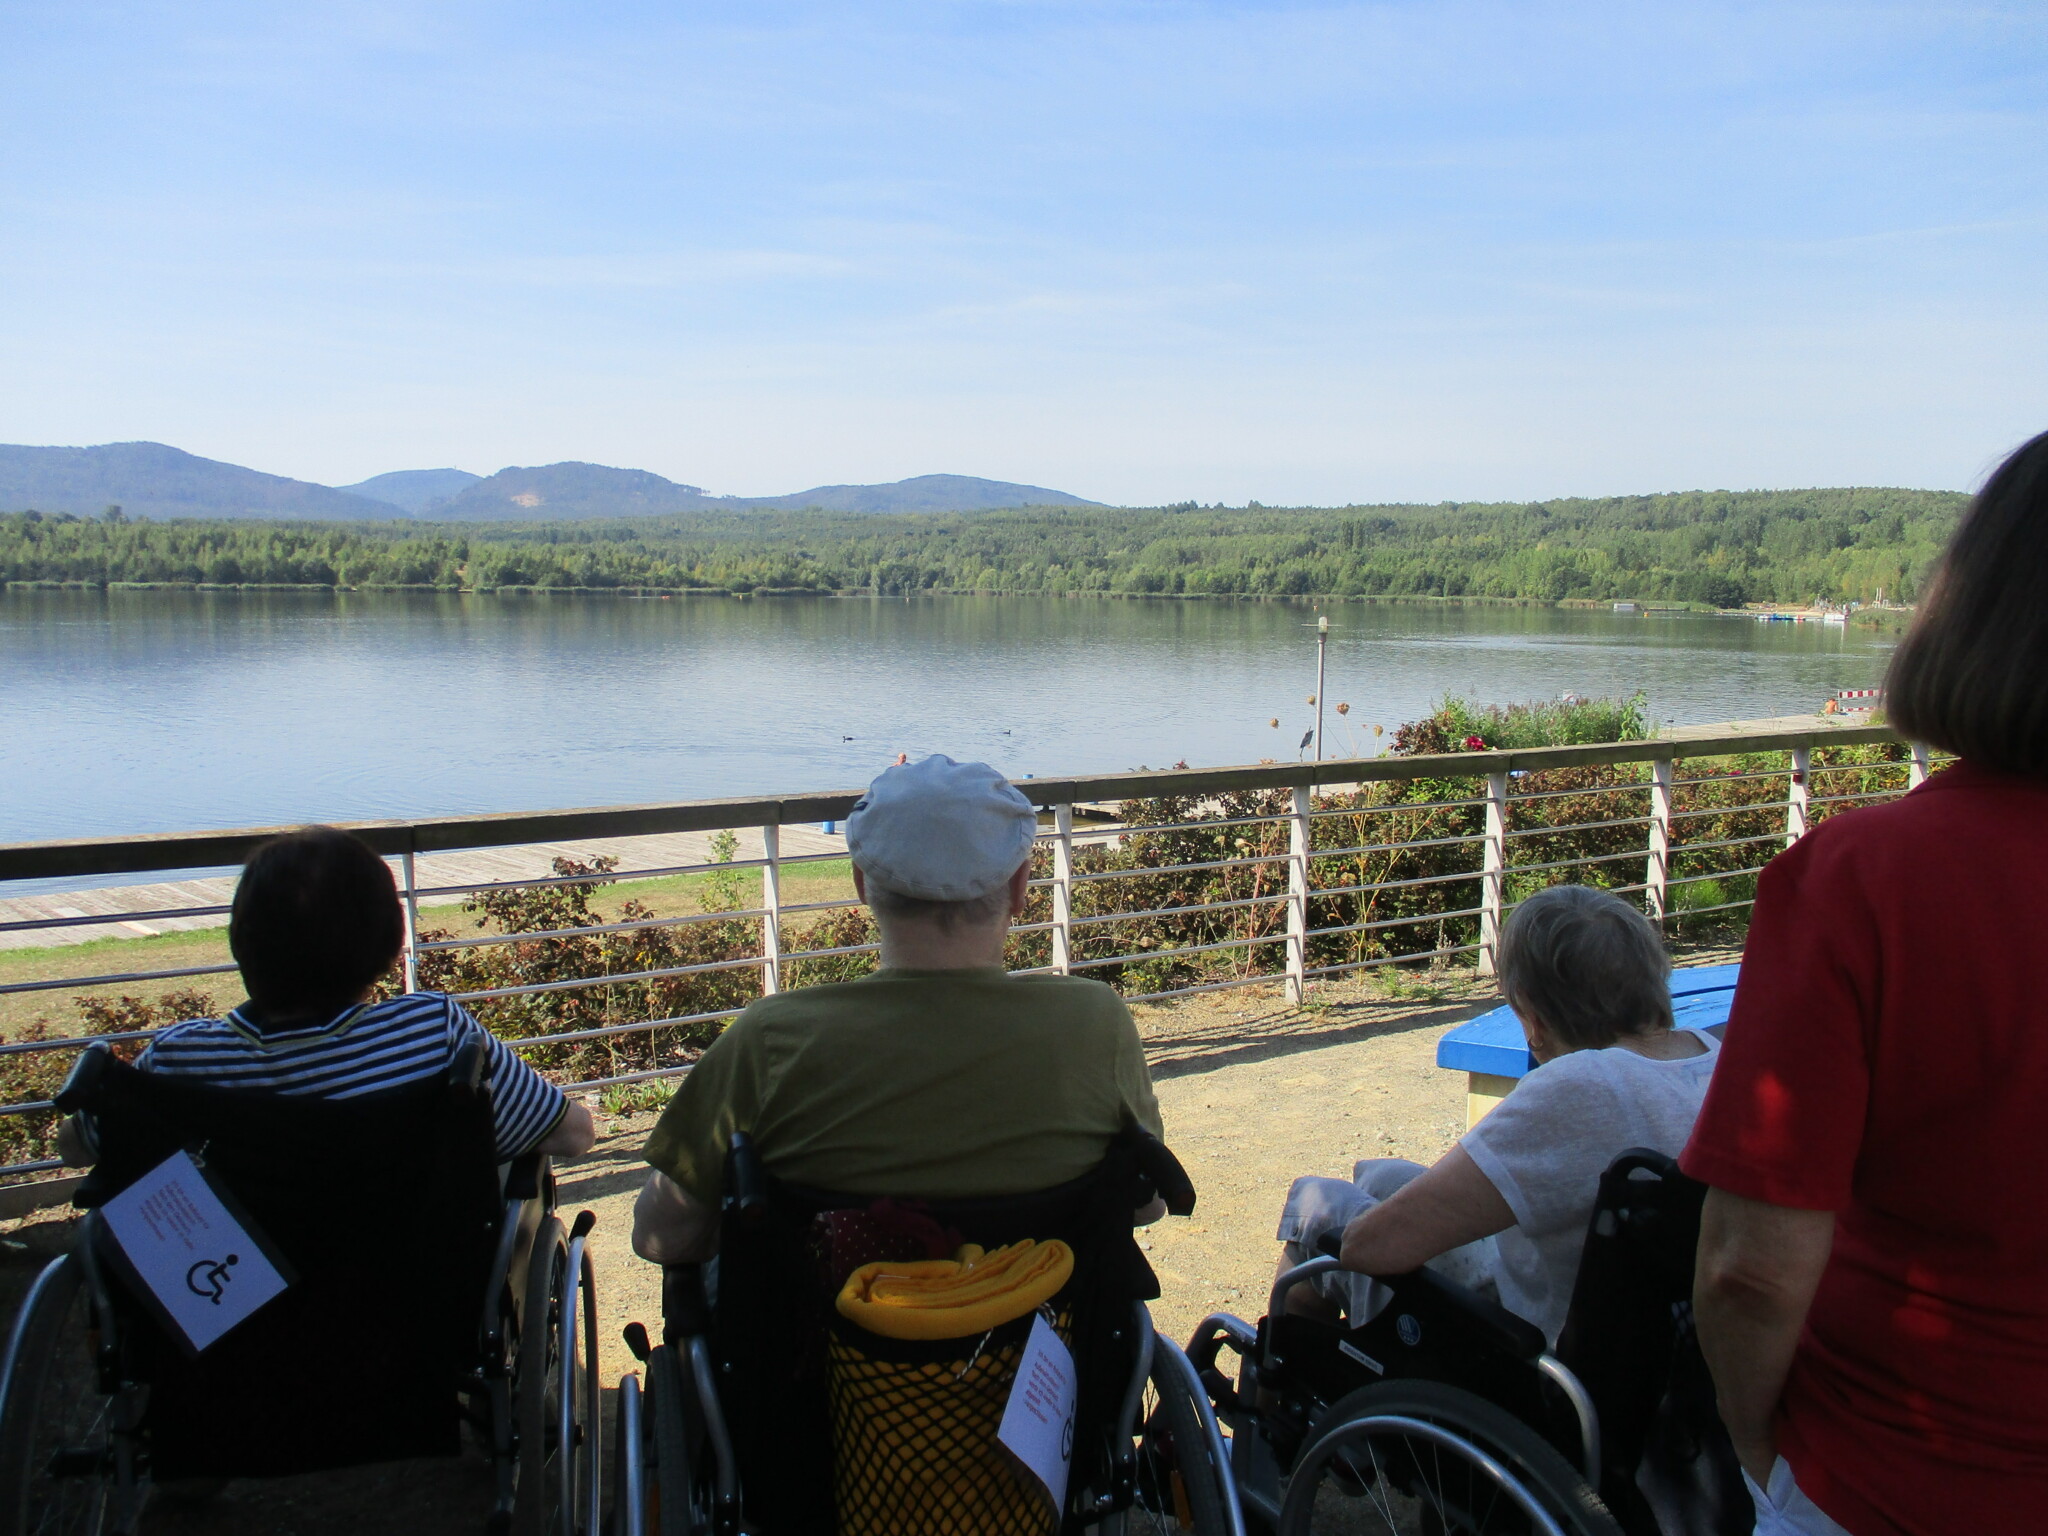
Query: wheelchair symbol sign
[
  {"x": 1038, "y": 1418},
  {"x": 188, "y": 1253},
  {"x": 210, "y": 1277}
]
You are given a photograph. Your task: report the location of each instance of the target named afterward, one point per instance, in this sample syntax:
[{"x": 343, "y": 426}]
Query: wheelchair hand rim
[{"x": 1295, "y": 1511}]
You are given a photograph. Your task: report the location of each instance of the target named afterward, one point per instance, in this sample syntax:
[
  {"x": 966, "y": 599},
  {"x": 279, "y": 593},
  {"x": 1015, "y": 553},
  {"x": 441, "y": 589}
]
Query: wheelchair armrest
[
  {"x": 685, "y": 1309},
  {"x": 1496, "y": 1325}
]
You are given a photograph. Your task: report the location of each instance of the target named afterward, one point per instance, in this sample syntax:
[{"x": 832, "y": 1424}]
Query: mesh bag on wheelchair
[
  {"x": 921, "y": 1360},
  {"x": 914, "y": 1427}
]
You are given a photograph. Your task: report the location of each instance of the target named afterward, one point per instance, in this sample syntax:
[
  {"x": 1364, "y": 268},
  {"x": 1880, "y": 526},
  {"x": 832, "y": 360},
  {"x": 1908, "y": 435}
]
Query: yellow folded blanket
[{"x": 955, "y": 1298}]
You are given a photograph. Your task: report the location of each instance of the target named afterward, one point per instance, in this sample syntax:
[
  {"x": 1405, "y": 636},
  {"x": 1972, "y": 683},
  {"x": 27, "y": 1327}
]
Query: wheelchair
[
  {"x": 1446, "y": 1413},
  {"x": 733, "y": 1431},
  {"x": 466, "y": 1305}
]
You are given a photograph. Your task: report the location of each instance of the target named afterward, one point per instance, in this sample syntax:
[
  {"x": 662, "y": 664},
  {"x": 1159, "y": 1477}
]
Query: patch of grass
[
  {"x": 673, "y": 896},
  {"x": 103, "y": 957},
  {"x": 623, "y": 1099},
  {"x": 1400, "y": 986}
]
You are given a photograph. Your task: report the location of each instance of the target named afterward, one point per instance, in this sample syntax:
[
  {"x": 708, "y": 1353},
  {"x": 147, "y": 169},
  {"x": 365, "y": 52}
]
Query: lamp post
[{"x": 1322, "y": 654}]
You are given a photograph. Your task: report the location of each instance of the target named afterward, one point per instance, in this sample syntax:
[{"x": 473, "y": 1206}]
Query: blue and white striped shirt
[{"x": 366, "y": 1049}]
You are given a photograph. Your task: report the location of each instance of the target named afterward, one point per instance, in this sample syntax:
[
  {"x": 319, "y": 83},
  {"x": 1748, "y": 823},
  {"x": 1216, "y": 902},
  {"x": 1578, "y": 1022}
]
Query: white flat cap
[{"x": 940, "y": 830}]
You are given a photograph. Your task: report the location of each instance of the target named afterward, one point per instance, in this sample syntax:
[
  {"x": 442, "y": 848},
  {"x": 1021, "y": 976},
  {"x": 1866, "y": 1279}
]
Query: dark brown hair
[
  {"x": 316, "y": 920},
  {"x": 1971, "y": 676},
  {"x": 1587, "y": 964}
]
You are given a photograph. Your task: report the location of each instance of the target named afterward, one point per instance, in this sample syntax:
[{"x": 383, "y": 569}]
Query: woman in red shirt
[{"x": 1872, "y": 1290}]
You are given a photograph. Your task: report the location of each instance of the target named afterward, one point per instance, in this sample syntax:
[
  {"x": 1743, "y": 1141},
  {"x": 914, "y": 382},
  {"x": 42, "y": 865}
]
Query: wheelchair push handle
[
  {"x": 746, "y": 1180},
  {"x": 637, "y": 1341},
  {"x": 685, "y": 1310},
  {"x": 82, "y": 1083}
]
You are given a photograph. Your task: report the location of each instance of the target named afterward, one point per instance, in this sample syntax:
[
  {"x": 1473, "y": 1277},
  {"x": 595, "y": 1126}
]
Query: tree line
[{"x": 1714, "y": 547}]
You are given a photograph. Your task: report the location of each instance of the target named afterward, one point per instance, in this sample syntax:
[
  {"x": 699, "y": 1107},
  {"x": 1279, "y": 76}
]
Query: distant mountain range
[
  {"x": 413, "y": 490},
  {"x": 151, "y": 480},
  {"x": 156, "y": 481}
]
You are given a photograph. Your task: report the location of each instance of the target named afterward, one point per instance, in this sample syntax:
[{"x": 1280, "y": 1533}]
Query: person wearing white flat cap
[{"x": 939, "y": 1077}]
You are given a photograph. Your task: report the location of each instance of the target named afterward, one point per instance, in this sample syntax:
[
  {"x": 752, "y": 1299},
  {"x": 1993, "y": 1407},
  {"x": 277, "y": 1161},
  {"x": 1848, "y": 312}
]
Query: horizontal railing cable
[{"x": 1227, "y": 933}]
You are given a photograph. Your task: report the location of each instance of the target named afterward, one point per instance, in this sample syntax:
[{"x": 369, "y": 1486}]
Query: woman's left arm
[{"x": 1450, "y": 1203}]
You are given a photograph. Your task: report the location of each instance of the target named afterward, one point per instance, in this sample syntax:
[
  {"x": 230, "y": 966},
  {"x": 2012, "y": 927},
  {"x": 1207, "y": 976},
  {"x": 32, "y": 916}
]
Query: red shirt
[{"x": 1887, "y": 1060}]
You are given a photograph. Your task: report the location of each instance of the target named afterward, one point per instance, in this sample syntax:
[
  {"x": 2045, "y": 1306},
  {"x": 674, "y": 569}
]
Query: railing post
[
  {"x": 1297, "y": 896},
  {"x": 1916, "y": 770},
  {"x": 771, "y": 900},
  {"x": 412, "y": 921},
  {"x": 1063, "y": 888},
  {"x": 1492, "y": 872},
  {"x": 1797, "y": 792},
  {"x": 1657, "y": 876}
]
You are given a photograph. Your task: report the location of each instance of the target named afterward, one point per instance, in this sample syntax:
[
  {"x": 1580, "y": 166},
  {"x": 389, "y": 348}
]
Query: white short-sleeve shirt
[{"x": 1546, "y": 1144}]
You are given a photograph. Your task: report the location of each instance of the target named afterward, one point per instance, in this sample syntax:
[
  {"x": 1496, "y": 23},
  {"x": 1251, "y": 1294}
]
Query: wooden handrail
[{"x": 147, "y": 852}]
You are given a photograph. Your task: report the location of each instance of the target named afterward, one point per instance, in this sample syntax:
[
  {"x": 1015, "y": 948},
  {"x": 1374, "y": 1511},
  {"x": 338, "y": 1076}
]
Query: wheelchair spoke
[
  {"x": 1415, "y": 1459},
  {"x": 1382, "y": 1497}
]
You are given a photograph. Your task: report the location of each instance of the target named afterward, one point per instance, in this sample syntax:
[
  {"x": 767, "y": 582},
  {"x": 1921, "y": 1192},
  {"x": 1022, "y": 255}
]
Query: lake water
[{"x": 155, "y": 711}]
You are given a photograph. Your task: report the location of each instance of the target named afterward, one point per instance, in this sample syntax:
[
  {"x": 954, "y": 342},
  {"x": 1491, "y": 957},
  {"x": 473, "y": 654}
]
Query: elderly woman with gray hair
[{"x": 1505, "y": 1210}]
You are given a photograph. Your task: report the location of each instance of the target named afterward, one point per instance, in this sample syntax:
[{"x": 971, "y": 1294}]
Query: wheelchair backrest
[
  {"x": 772, "y": 1310},
  {"x": 1629, "y": 1338},
  {"x": 386, "y": 1210}
]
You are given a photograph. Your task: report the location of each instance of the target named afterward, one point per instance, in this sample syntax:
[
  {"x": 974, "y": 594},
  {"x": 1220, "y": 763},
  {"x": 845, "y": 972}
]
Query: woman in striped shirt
[{"x": 315, "y": 925}]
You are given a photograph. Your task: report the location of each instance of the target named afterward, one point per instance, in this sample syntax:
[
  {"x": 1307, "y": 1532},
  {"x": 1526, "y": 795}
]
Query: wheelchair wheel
[
  {"x": 629, "y": 1461},
  {"x": 671, "y": 1473},
  {"x": 1184, "y": 1482},
  {"x": 1419, "y": 1458},
  {"x": 63, "y": 1469},
  {"x": 543, "y": 1371}
]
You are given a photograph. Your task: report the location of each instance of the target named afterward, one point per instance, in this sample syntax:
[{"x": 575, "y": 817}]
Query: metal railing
[{"x": 1281, "y": 888}]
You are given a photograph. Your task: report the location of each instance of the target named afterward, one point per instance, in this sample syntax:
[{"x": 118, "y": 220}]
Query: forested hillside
[{"x": 1722, "y": 548}]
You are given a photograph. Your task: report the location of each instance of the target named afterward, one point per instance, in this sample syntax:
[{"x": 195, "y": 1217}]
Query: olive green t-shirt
[{"x": 939, "y": 1085}]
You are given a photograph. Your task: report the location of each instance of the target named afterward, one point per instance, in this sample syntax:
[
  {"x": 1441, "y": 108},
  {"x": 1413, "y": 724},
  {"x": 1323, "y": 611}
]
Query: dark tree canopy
[{"x": 1718, "y": 547}]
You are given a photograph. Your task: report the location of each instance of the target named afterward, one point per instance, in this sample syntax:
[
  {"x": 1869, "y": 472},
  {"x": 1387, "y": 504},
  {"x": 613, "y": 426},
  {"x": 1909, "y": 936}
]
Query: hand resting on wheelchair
[{"x": 1504, "y": 1212}]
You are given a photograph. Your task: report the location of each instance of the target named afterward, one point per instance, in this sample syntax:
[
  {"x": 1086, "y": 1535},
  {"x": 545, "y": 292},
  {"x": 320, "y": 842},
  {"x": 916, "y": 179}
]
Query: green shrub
[
  {"x": 30, "y": 1076},
  {"x": 1457, "y": 725},
  {"x": 632, "y": 953},
  {"x": 839, "y": 929}
]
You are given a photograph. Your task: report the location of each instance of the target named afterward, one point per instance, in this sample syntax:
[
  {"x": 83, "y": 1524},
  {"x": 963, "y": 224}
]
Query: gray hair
[
  {"x": 1587, "y": 964},
  {"x": 948, "y": 916}
]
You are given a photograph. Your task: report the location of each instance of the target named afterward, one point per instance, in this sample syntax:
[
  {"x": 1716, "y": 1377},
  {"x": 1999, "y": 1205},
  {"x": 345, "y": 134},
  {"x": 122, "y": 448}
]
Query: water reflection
[{"x": 140, "y": 711}]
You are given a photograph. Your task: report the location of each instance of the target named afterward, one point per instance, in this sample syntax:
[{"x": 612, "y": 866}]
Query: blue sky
[{"x": 1137, "y": 251}]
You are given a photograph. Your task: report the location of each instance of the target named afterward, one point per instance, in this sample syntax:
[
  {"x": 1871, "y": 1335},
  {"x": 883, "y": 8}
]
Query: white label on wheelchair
[
  {"x": 1038, "y": 1420},
  {"x": 204, "y": 1268}
]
